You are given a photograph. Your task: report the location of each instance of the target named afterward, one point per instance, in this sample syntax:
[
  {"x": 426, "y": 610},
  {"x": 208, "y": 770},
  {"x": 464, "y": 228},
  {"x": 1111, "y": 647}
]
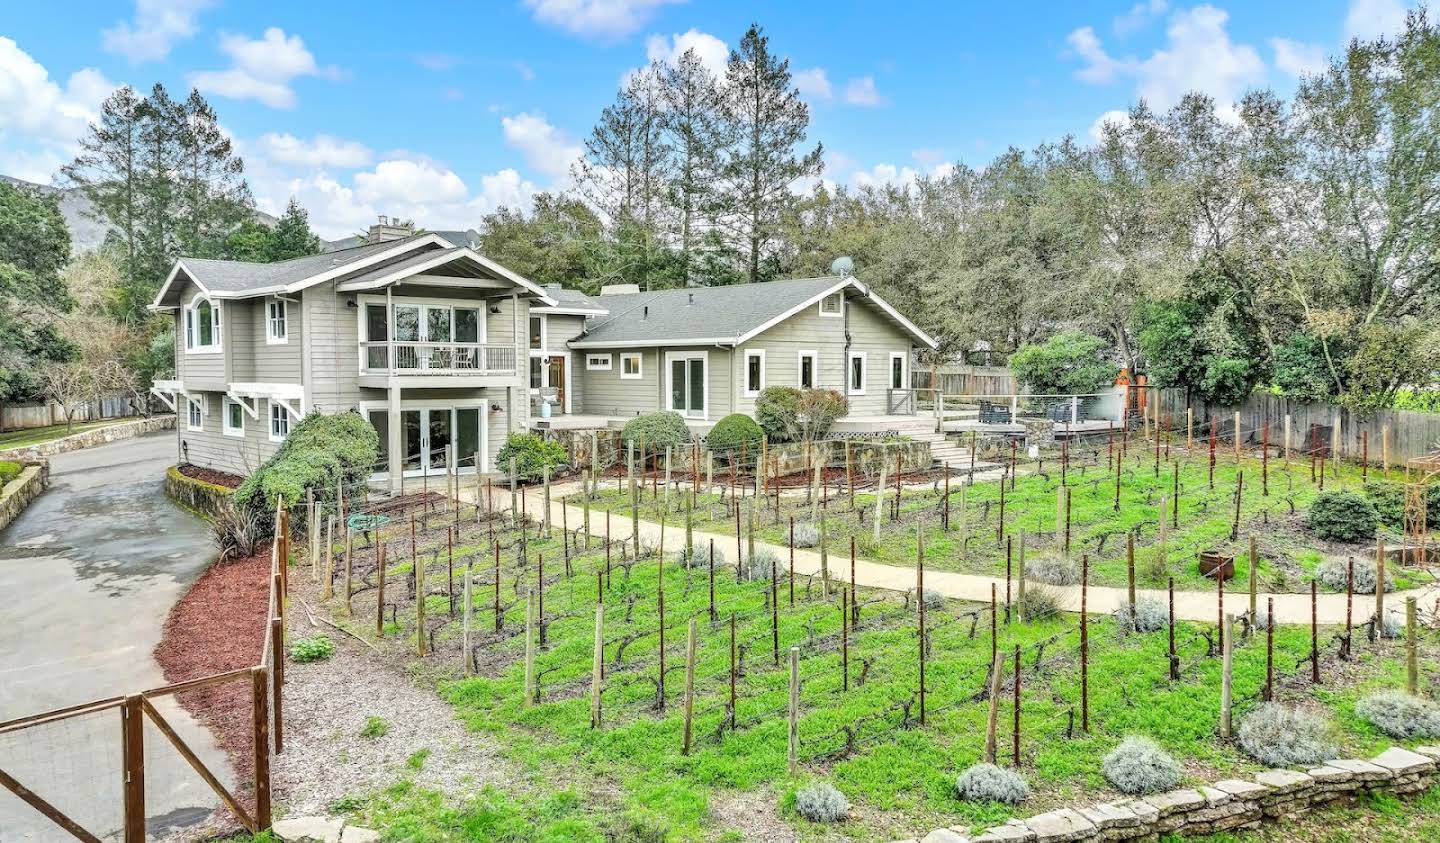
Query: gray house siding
[
  {"x": 606, "y": 393},
  {"x": 200, "y": 371},
  {"x": 277, "y": 362},
  {"x": 874, "y": 334},
  {"x": 211, "y": 448},
  {"x": 332, "y": 349}
]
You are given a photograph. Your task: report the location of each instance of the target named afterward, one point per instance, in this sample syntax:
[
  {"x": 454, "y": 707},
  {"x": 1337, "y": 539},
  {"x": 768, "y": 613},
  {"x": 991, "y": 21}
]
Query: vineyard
[{"x": 670, "y": 687}]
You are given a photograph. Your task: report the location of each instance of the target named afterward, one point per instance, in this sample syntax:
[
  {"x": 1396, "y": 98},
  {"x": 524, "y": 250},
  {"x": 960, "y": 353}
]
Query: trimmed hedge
[
  {"x": 734, "y": 434},
  {"x": 9, "y": 471},
  {"x": 319, "y": 452},
  {"x": 531, "y": 453},
  {"x": 656, "y": 430},
  {"x": 1344, "y": 517}
]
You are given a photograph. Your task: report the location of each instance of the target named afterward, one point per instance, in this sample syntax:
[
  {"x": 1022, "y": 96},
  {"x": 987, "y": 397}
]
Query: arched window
[{"x": 202, "y": 325}]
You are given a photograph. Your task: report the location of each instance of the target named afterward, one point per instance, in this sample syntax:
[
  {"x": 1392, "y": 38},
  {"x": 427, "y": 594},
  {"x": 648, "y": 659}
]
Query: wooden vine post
[
  {"x": 1130, "y": 567},
  {"x": 1379, "y": 626},
  {"x": 465, "y": 619},
  {"x": 794, "y": 730},
  {"x": 1174, "y": 659},
  {"x": 1412, "y": 662},
  {"x": 1314, "y": 635},
  {"x": 920, "y": 603},
  {"x": 529, "y": 649},
  {"x": 1084, "y": 644},
  {"x": 689, "y": 687},
  {"x": 1015, "y": 730},
  {"x": 996, "y": 667},
  {"x": 597, "y": 665},
  {"x": 1269, "y": 695},
  {"x": 380, "y": 591},
  {"x": 1254, "y": 578},
  {"x": 1227, "y": 648}
]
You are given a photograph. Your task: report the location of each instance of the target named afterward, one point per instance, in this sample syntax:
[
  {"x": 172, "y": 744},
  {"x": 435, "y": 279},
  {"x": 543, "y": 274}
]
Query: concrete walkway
[{"x": 1189, "y": 605}]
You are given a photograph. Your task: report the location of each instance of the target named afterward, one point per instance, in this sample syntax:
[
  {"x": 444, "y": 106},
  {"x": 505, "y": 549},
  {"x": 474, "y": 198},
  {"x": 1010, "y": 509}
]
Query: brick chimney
[{"x": 390, "y": 228}]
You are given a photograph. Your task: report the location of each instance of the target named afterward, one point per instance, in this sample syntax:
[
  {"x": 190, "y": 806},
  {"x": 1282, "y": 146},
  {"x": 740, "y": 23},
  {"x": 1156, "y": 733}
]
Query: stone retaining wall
[
  {"x": 90, "y": 438},
  {"x": 19, "y": 492},
  {"x": 1229, "y": 805},
  {"x": 199, "y": 496},
  {"x": 790, "y": 457}
]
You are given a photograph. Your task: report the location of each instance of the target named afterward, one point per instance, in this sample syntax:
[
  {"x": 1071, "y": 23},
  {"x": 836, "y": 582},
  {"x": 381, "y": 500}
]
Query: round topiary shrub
[
  {"x": 934, "y": 599},
  {"x": 1343, "y": 517},
  {"x": 1332, "y": 573},
  {"x": 532, "y": 454},
  {"x": 821, "y": 802},
  {"x": 698, "y": 556},
  {"x": 1401, "y": 715},
  {"x": 1389, "y": 500},
  {"x": 1139, "y": 766},
  {"x": 1280, "y": 735},
  {"x": 663, "y": 429},
  {"x": 1147, "y": 615},
  {"x": 734, "y": 435},
  {"x": 1052, "y": 570},
  {"x": 807, "y": 535},
  {"x": 988, "y": 783}
]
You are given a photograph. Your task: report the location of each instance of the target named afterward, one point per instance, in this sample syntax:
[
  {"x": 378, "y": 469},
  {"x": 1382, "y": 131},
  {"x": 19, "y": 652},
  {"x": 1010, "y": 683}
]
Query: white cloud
[
  {"x": 712, "y": 52},
  {"x": 262, "y": 68},
  {"x": 883, "y": 175},
  {"x": 545, "y": 147},
  {"x": 1198, "y": 56},
  {"x": 813, "y": 83},
  {"x": 1139, "y": 17},
  {"x": 410, "y": 181},
  {"x": 157, "y": 25},
  {"x": 862, "y": 92},
  {"x": 1097, "y": 129},
  {"x": 1370, "y": 19},
  {"x": 320, "y": 151},
  {"x": 41, "y": 122},
  {"x": 600, "y": 19},
  {"x": 1297, "y": 58}
]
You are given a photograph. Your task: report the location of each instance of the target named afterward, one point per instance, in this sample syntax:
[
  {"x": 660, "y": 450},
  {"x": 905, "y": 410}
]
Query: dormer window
[
  {"x": 202, "y": 326},
  {"x": 276, "y": 330},
  {"x": 832, "y": 305}
]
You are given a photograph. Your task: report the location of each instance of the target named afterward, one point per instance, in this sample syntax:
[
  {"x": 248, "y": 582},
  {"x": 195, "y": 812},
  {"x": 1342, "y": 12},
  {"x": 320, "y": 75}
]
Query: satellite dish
[{"x": 842, "y": 266}]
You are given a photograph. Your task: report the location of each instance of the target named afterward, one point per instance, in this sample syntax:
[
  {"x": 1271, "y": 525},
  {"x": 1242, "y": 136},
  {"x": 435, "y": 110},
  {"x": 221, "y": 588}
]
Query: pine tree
[
  {"x": 694, "y": 121},
  {"x": 107, "y": 170},
  {"x": 292, "y": 237},
  {"x": 769, "y": 120},
  {"x": 214, "y": 198}
]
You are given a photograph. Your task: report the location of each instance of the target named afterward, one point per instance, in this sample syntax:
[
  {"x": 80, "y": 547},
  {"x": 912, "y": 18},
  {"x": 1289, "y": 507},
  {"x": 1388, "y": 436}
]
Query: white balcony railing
[{"x": 437, "y": 358}]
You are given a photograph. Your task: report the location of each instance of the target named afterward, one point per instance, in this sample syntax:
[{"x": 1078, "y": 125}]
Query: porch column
[{"x": 397, "y": 441}]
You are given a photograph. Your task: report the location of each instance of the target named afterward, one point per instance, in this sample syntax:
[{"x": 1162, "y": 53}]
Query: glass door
[
  {"x": 437, "y": 439},
  {"x": 687, "y": 386},
  {"x": 413, "y": 440},
  {"x": 438, "y": 336}
]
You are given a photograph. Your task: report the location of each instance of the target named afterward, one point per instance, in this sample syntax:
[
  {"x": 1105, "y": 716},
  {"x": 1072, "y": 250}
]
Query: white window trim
[
  {"x": 270, "y": 337},
  {"x": 814, "y": 368},
  {"x": 849, "y": 372},
  {"x": 367, "y": 407},
  {"x": 216, "y": 329},
  {"x": 704, "y": 358},
  {"x": 225, "y": 427},
  {"x": 199, "y": 404},
  {"x": 745, "y": 372},
  {"x": 639, "y": 366},
  {"x": 544, "y": 349},
  {"x": 362, "y": 328},
  {"x": 820, "y": 305},
  {"x": 270, "y": 421},
  {"x": 598, "y": 362},
  {"x": 904, "y": 370}
]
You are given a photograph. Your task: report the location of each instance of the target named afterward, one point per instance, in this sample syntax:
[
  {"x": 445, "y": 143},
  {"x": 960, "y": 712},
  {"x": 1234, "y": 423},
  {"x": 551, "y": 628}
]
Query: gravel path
[{"x": 326, "y": 706}]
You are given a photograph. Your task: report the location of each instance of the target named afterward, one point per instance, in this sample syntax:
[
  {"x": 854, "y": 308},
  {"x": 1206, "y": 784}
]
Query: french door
[
  {"x": 687, "y": 384},
  {"x": 426, "y": 437}
]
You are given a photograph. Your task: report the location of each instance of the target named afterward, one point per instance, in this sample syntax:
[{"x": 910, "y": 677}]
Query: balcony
[{"x": 437, "y": 359}]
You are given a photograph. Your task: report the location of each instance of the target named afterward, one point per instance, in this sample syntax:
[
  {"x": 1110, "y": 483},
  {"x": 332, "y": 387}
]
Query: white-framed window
[
  {"x": 807, "y": 372},
  {"x": 279, "y": 422},
  {"x": 855, "y": 373},
  {"x": 632, "y": 366},
  {"x": 202, "y": 326},
  {"x": 833, "y": 305},
  {"x": 597, "y": 362},
  {"x": 537, "y": 333},
  {"x": 754, "y": 372},
  {"x": 276, "y": 327},
  {"x": 232, "y": 418},
  {"x": 899, "y": 363},
  {"x": 195, "y": 414}
]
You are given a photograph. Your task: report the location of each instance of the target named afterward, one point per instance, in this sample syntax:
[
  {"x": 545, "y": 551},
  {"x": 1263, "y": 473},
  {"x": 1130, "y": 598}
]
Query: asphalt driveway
[{"x": 88, "y": 574}]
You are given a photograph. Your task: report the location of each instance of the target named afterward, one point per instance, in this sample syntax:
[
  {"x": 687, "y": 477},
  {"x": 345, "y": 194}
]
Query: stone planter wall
[
  {"x": 206, "y": 499},
  {"x": 90, "y": 438},
  {"x": 791, "y": 457},
  {"x": 1229, "y": 805},
  {"x": 26, "y": 487}
]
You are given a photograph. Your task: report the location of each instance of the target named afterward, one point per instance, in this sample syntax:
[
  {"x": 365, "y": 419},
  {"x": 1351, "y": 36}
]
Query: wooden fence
[
  {"x": 1408, "y": 435},
  {"x": 954, "y": 379},
  {"x": 264, "y": 679},
  {"x": 28, "y": 416}
]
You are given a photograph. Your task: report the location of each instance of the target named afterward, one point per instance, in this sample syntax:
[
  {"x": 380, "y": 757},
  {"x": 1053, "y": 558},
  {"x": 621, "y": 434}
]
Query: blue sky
[{"x": 442, "y": 114}]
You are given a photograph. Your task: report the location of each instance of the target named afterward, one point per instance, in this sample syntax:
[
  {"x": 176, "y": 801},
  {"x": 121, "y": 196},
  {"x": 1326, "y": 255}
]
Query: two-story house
[{"x": 446, "y": 352}]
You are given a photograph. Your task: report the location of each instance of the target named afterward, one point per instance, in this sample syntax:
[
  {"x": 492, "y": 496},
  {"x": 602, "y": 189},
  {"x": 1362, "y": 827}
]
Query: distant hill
[{"x": 88, "y": 234}]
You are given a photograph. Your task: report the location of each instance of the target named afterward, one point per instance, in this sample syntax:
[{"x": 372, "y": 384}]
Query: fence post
[
  {"x": 277, "y": 680},
  {"x": 598, "y": 663},
  {"x": 1412, "y": 664},
  {"x": 689, "y": 687},
  {"x": 1379, "y": 588},
  {"x": 132, "y": 748},
  {"x": 260, "y": 731},
  {"x": 529, "y": 649},
  {"x": 1227, "y": 646},
  {"x": 1084, "y": 644},
  {"x": 1254, "y": 578},
  {"x": 794, "y": 710},
  {"x": 1016, "y": 730},
  {"x": 465, "y": 618},
  {"x": 1269, "y": 649},
  {"x": 920, "y": 604}
]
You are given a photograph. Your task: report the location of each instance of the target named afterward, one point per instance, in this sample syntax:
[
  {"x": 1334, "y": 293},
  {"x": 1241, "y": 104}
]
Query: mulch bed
[
  {"x": 210, "y": 475},
  {"x": 219, "y": 625}
]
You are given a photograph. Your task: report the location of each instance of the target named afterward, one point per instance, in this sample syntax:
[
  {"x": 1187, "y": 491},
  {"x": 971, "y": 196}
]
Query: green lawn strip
[
  {"x": 39, "y": 435},
  {"x": 1205, "y": 519}
]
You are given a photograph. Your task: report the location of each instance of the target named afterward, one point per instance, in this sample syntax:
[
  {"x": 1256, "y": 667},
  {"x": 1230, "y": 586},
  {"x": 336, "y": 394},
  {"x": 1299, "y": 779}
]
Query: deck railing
[{"x": 437, "y": 358}]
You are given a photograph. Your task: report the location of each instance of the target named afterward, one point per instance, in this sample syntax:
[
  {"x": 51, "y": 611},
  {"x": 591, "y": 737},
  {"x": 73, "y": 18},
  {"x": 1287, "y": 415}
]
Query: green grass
[
  {"x": 9, "y": 471},
  {"x": 40, "y": 435},
  {"x": 1288, "y": 552}
]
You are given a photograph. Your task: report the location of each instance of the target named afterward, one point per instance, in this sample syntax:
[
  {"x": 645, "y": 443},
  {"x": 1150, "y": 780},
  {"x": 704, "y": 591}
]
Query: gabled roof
[
  {"x": 727, "y": 315},
  {"x": 386, "y": 262},
  {"x": 573, "y": 303}
]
